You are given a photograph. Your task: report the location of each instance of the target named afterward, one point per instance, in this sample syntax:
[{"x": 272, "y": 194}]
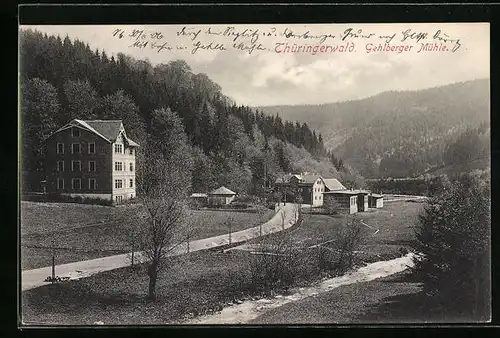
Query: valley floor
[{"x": 204, "y": 282}]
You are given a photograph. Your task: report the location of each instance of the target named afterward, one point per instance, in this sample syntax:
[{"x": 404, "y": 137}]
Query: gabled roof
[
  {"x": 286, "y": 178},
  {"x": 333, "y": 184},
  {"x": 310, "y": 178},
  {"x": 109, "y": 130},
  {"x": 222, "y": 191}
]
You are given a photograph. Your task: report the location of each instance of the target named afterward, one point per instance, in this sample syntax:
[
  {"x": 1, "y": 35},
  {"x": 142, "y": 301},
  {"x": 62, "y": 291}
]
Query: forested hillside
[
  {"x": 226, "y": 144},
  {"x": 396, "y": 134}
]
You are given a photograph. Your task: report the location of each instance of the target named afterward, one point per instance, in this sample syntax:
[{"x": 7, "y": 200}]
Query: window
[
  {"x": 118, "y": 148},
  {"x": 76, "y": 184},
  {"x": 118, "y": 166},
  {"x": 75, "y": 148},
  {"x": 60, "y": 183},
  {"x": 91, "y": 183},
  {"x": 131, "y": 183},
  {"x": 131, "y": 151},
  {"x": 76, "y": 165},
  {"x": 91, "y": 165},
  {"x": 75, "y": 132},
  {"x": 60, "y": 148},
  {"x": 131, "y": 166},
  {"x": 118, "y": 198},
  {"x": 91, "y": 148},
  {"x": 60, "y": 165},
  {"x": 118, "y": 184}
]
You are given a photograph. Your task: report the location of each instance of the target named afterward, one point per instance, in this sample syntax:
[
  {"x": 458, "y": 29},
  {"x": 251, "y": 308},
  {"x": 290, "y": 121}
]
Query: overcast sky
[{"x": 269, "y": 78}]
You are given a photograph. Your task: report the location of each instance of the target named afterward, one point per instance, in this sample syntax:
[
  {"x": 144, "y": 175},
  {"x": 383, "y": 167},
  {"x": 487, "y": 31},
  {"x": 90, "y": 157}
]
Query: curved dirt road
[{"x": 34, "y": 278}]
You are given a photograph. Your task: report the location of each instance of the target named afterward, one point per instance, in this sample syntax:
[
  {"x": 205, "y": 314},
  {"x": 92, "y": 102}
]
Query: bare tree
[
  {"x": 193, "y": 226},
  {"x": 229, "y": 224},
  {"x": 298, "y": 207},
  {"x": 274, "y": 263},
  {"x": 165, "y": 217},
  {"x": 163, "y": 191},
  {"x": 283, "y": 218},
  {"x": 350, "y": 239},
  {"x": 129, "y": 216}
]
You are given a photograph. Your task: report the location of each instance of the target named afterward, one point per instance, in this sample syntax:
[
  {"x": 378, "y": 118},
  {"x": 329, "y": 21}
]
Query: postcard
[{"x": 255, "y": 174}]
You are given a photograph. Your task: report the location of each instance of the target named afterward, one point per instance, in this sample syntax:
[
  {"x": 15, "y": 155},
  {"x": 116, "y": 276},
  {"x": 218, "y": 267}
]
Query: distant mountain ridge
[{"x": 407, "y": 126}]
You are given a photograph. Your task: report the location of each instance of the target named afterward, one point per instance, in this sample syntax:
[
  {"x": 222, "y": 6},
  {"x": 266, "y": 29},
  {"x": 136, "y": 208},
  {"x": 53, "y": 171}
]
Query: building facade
[
  {"x": 341, "y": 201},
  {"x": 92, "y": 159},
  {"x": 312, "y": 188}
]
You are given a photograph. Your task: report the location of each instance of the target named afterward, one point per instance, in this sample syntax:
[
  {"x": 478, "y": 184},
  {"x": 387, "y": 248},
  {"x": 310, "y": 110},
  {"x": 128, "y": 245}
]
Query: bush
[
  {"x": 274, "y": 264},
  {"x": 247, "y": 199},
  {"x": 54, "y": 197},
  {"x": 337, "y": 257},
  {"x": 453, "y": 241}
]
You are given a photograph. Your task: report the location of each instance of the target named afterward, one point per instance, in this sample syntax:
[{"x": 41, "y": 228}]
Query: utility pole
[
  {"x": 133, "y": 249},
  {"x": 53, "y": 263}
]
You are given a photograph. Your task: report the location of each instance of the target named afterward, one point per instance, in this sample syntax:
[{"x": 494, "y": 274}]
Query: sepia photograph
[{"x": 251, "y": 174}]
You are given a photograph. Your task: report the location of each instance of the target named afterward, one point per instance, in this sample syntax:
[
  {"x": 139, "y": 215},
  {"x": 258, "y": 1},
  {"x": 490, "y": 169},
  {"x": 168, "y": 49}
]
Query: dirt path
[
  {"x": 250, "y": 310},
  {"x": 34, "y": 278}
]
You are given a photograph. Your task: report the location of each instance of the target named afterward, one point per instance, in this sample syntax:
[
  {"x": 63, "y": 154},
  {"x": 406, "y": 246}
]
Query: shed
[
  {"x": 376, "y": 200},
  {"x": 344, "y": 201},
  {"x": 362, "y": 200},
  {"x": 221, "y": 196}
]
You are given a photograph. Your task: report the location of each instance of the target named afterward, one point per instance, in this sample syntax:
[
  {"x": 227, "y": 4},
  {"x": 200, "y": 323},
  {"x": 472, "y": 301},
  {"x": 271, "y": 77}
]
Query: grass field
[
  {"x": 202, "y": 281},
  {"x": 80, "y": 232},
  {"x": 386, "y": 230},
  {"x": 192, "y": 284},
  {"x": 359, "y": 303}
]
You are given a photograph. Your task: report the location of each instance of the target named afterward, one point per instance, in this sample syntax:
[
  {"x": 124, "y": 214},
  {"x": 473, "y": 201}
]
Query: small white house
[{"x": 221, "y": 196}]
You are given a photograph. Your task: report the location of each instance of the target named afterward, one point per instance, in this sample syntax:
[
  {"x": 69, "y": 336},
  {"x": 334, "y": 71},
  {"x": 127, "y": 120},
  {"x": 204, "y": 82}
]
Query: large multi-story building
[{"x": 91, "y": 159}]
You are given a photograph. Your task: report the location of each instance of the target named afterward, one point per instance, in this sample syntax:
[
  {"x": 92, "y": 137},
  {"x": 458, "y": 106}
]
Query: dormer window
[
  {"x": 75, "y": 132},
  {"x": 118, "y": 148}
]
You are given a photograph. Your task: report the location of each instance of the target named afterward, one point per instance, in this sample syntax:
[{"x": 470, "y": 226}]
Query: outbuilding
[
  {"x": 341, "y": 201},
  {"x": 362, "y": 200},
  {"x": 221, "y": 196},
  {"x": 376, "y": 201}
]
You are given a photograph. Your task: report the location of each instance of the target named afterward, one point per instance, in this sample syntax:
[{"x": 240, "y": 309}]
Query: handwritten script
[{"x": 262, "y": 39}]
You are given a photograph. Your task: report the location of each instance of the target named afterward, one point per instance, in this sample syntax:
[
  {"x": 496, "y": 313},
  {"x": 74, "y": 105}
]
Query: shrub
[
  {"x": 274, "y": 263},
  {"x": 338, "y": 256},
  {"x": 453, "y": 241}
]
